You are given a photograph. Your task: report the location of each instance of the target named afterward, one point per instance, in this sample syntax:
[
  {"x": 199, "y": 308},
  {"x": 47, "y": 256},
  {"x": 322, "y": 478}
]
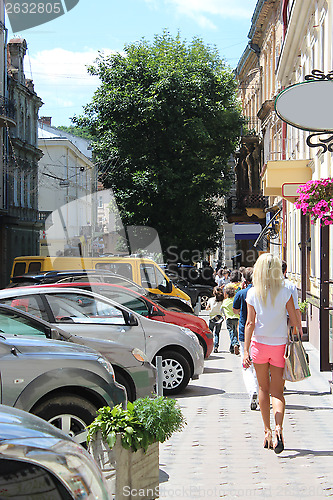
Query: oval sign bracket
[{"x": 309, "y": 106}]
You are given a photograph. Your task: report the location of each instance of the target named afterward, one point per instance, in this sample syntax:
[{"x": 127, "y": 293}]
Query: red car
[{"x": 148, "y": 308}]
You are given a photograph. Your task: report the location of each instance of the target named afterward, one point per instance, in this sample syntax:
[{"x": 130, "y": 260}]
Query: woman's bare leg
[
  {"x": 262, "y": 371},
  {"x": 276, "y": 387}
]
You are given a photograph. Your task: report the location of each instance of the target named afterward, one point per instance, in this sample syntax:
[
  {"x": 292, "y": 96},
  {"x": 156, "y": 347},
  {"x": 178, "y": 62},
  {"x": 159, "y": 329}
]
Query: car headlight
[
  {"x": 107, "y": 365},
  {"x": 139, "y": 355},
  {"x": 190, "y": 333}
]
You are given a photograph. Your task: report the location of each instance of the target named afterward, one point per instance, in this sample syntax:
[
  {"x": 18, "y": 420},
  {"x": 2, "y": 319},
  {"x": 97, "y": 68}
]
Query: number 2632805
[{"x": 33, "y": 8}]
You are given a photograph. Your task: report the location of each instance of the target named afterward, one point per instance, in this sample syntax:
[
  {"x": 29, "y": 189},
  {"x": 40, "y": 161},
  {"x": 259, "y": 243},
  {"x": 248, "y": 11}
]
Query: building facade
[
  {"x": 289, "y": 39},
  {"x": 66, "y": 192},
  {"x": 19, "y": 219}
]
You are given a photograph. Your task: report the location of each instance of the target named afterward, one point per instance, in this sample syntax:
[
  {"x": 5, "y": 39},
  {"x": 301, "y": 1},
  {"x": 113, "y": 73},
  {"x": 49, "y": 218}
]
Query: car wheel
[
  {"x": 176, "y": 372},
  {"x": 122, "y": 381},
  {"x": 71, "y": 414},
  {"x": 203, "y": 301},
  {"x": 174, "y": 308}
]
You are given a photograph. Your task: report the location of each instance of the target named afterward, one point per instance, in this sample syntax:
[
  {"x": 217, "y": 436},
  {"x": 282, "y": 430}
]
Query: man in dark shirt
[{"x": 240, "y": 307}]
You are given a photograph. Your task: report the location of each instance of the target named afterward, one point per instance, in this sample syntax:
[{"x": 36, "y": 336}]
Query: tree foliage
[
  {"x": 165, "y": 121},
  {"x": 77, "y": 131}
]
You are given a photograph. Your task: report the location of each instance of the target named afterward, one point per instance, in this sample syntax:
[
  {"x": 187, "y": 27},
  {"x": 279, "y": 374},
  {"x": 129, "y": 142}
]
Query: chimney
[
  {"x": 16, "y": 48},
  {"x": 45, "y": 120}
]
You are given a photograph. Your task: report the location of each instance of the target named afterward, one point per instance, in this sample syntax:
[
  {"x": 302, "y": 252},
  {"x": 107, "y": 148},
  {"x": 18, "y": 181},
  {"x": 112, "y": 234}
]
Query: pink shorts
[{"x": 272, "y": 354}]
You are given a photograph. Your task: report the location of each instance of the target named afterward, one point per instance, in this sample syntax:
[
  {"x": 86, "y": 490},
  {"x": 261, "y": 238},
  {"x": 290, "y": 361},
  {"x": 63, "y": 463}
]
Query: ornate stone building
[{"x": 19, "y": 219}]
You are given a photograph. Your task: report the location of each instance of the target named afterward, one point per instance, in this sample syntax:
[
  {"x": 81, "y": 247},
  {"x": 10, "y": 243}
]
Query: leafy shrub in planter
[
  {"x": 303, "y": 305},
  {"x": 146, "y": 421}
]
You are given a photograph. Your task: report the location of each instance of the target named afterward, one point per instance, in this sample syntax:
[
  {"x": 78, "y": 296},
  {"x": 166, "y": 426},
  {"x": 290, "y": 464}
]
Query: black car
[{"x": 198, "y": 293}]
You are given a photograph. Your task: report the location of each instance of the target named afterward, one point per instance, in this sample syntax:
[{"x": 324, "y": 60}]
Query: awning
[
  {"x": 244, "y": 231},
  {"x": 282, "y": 172}
]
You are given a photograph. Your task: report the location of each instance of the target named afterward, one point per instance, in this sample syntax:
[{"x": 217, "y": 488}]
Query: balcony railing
[
  {"x": 7, "y": 112},
  {"x": 245, "y": 199},
  {"x": 251, "y": 126}
]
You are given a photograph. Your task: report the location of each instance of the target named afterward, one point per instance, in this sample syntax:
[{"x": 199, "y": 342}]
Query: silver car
[
  {"x": 85, "y": 313},
  {"x": 38, "y": 461},
  {"x": 130, "y": 365},
  {"x": 60, "y": 382}
]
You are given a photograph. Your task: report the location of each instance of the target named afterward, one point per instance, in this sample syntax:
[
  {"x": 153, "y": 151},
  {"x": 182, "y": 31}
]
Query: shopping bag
[{"x": 296, "y": 366}]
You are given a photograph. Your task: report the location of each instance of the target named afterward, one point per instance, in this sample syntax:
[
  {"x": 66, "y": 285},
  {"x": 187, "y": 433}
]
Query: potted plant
[
  {"x": 124, "y": 442},
  {"x": 316, "y": 199},
  {"x": 303, "y": 305}
]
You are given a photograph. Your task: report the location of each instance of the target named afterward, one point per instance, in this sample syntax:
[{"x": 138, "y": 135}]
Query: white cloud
[
  {"x": 201, "y": 10},
  {"x": 62, "y": 81},
  {"x": 62, "y": 67}
]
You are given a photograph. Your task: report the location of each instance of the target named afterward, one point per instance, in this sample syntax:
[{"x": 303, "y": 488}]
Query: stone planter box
[{"x": 129, "y": 475}]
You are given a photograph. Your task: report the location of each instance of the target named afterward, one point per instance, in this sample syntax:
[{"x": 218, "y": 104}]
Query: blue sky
[{"x": 59, "y": 50}]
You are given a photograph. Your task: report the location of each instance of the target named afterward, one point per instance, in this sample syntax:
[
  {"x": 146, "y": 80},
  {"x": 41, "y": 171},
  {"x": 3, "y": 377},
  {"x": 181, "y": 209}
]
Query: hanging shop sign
[
  {"x": 307, "y": 105},
  {"x": 289, "y": 191}
]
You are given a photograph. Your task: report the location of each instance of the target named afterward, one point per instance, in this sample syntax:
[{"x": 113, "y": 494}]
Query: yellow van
[{"x": 144, "y": 272}]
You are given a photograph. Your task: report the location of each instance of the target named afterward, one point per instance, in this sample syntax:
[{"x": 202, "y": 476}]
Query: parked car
[
  {"x": 60, "y": 382},
  {"x": 85, "y": 313},
  {"x": 131, "y": 367},
  {"x": 144, "y": 272},
  {"x": 39, "y": 461},
  {"x": 146, "y": 307},
  {"x": 198, "y": 293},
  {"x": 172, "y": 303}
]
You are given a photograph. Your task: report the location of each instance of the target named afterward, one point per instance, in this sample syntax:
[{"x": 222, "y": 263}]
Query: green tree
[
  {"x": 77, "y": 131},
  {"x": 165, "y": 120}
]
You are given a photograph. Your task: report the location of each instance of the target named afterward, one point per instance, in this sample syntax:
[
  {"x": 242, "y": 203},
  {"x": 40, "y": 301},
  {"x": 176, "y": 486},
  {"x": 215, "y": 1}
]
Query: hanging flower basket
[{"x": 316, "y": 199}]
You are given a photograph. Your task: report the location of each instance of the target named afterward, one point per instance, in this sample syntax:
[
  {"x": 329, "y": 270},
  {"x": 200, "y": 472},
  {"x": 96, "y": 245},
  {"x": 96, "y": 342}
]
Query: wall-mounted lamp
[{"x": 307, "y": 244}]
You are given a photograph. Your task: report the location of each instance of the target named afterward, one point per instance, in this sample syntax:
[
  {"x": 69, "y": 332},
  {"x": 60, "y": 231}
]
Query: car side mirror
[
  {"x": 54, "y": 334},
  {"x": 167, "y": 288},
  {"x": 131, "y": 320}
]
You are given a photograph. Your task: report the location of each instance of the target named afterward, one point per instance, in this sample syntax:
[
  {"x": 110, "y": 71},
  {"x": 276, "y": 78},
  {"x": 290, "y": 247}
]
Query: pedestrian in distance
[
  {"x": 266, "y": 335},
  {"x": 225, "y": 277},
  {"x": 219, "y": 278},
  {"x": 236, "y": 279},
  {"x": 214, "y": 306},
  {"x": 240, "y": 307},
  {"x": 231, "y": 317}
]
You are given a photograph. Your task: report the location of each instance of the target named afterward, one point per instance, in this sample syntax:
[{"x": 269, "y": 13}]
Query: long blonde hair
[{"x": 267, "y": 277}]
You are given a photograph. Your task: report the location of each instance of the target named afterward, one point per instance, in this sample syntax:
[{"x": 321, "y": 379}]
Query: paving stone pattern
[{"x": 220, "y": 453}]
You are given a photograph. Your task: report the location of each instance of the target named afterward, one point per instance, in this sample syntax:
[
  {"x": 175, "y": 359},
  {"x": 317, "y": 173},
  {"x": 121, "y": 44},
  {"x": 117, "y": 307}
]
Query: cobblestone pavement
[{"x": 220, "y": 453}]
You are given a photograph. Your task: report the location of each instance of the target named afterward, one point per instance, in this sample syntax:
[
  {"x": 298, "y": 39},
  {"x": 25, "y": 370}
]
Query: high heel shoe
[
  {"x": 278, "y": 443},
  {"x": 268, "y": 443}
]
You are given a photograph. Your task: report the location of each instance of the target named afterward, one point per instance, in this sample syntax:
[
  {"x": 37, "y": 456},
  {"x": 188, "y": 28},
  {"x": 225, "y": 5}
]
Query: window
[
  {"x": 19, "y": 269},
  {"x": 13, "y": 324},
  {"x": 32, "y": 304},
  {"x": 126, "y": 299},
  {"x": 34, "y": 267},
  {"x": 152, "y": 277},
  {"x": 147, "y": 273},
  {"x": 117, "y": 268},
  {"x": 80, "y": 308}
]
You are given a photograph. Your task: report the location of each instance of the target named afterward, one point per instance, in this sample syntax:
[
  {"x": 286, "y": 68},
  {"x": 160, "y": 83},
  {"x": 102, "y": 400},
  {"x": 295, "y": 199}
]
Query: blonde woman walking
[{"x": 266, "y": 331}]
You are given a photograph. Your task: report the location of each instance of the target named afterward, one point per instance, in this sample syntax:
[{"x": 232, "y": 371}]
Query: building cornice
[{"x": 296, "y": 30}]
